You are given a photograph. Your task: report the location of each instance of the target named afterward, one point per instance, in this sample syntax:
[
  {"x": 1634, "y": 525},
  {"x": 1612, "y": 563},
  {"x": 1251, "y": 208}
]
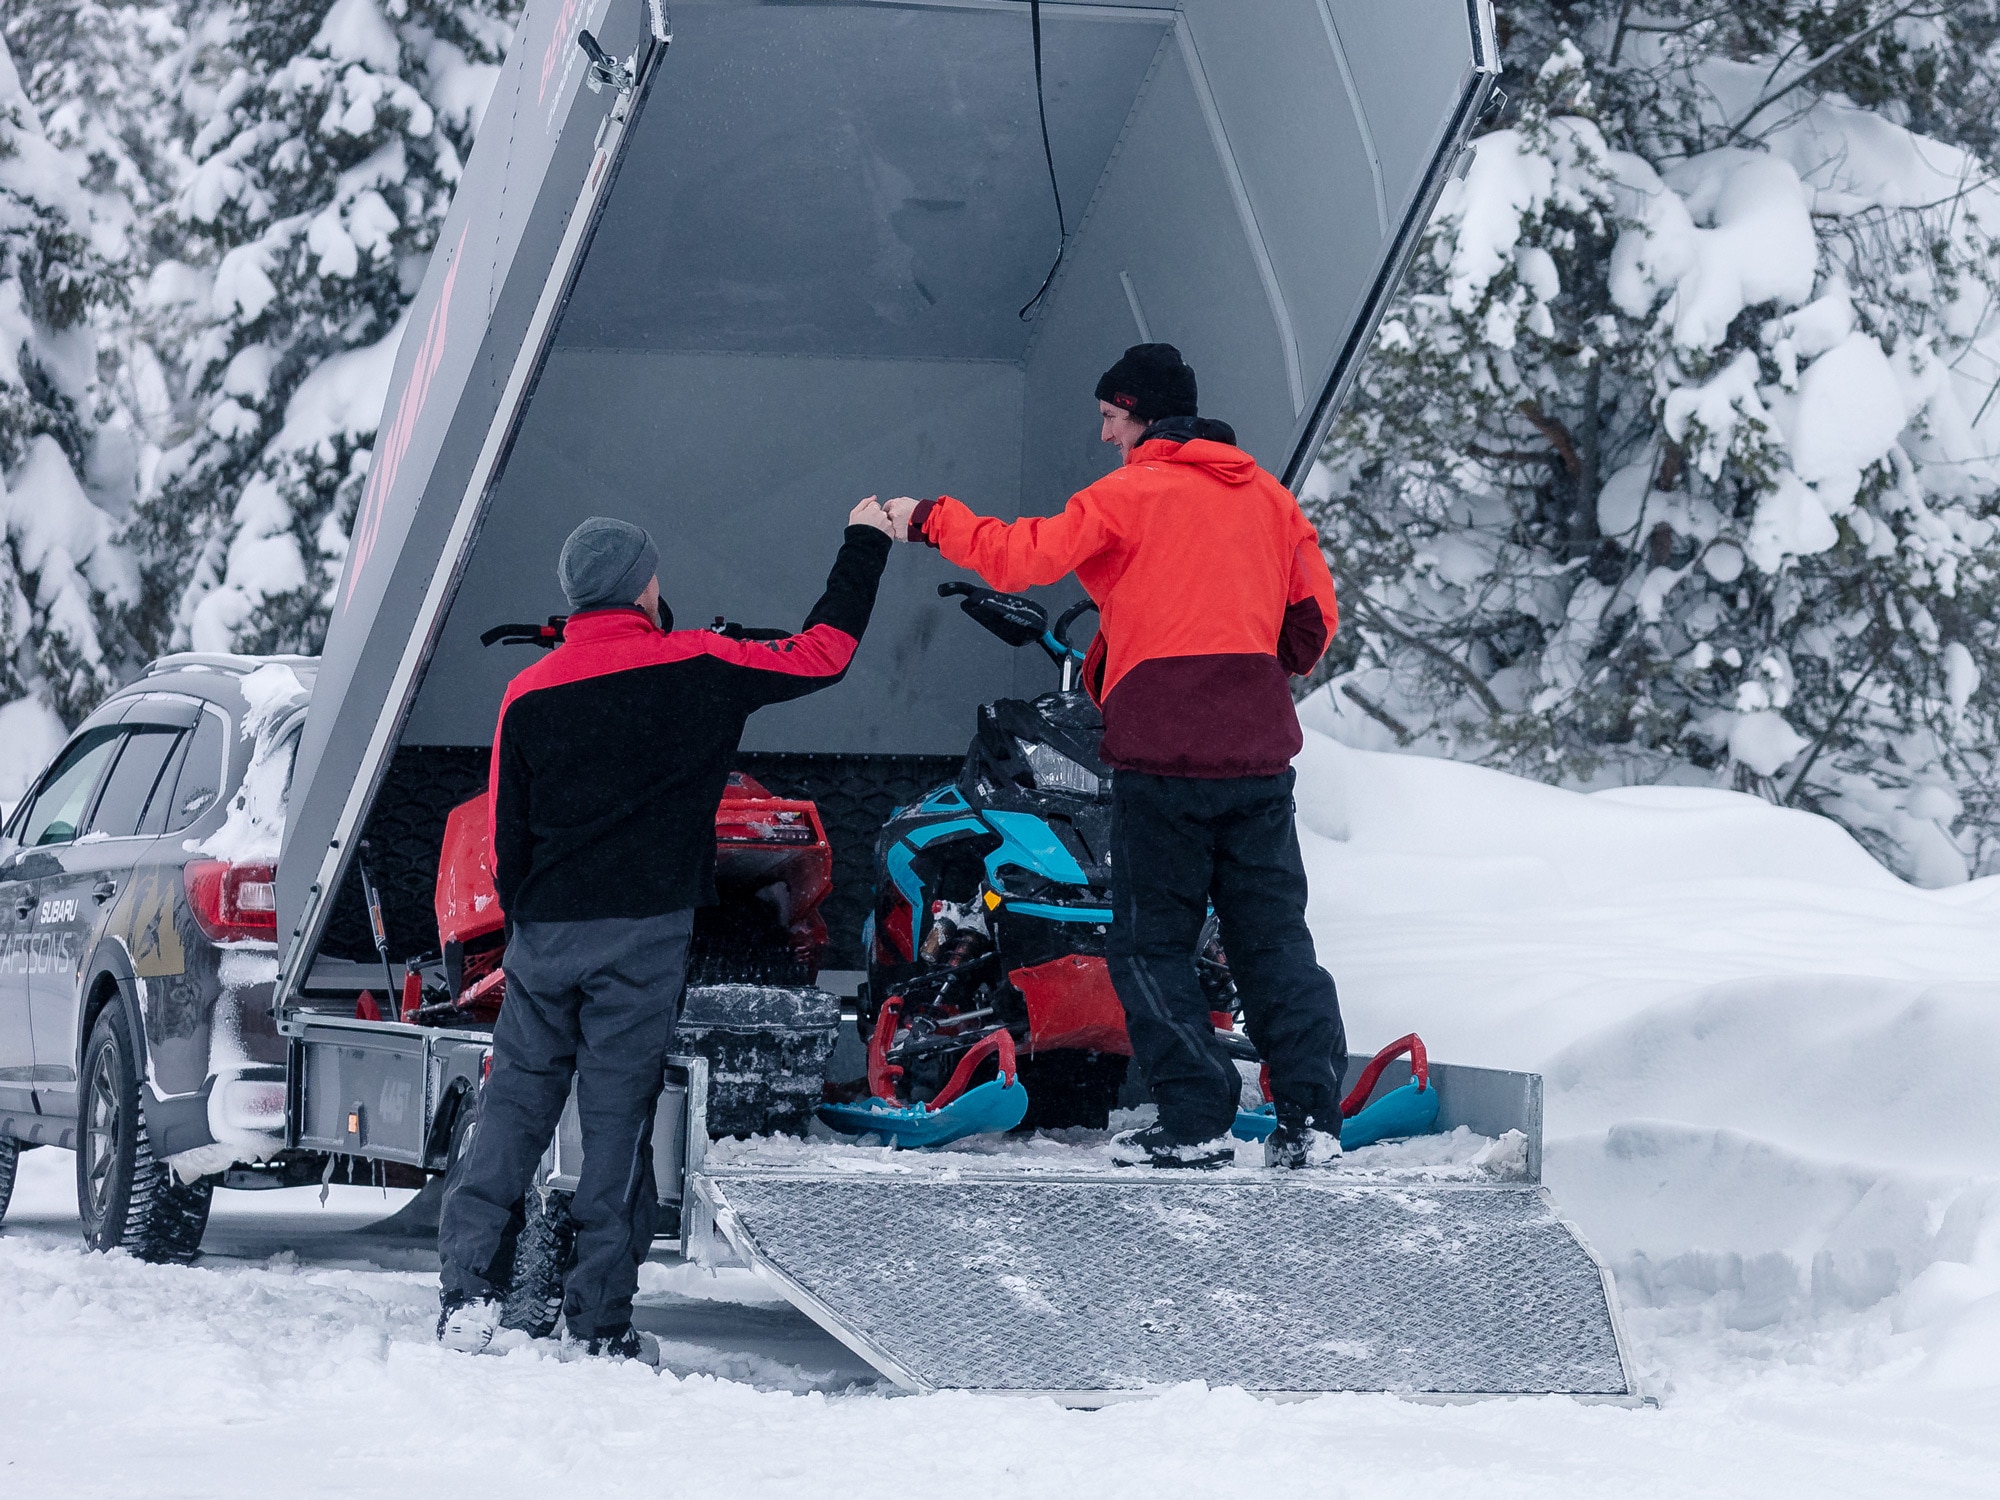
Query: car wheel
[
  {"x": 127, "y": 1198},
  {"x": 10, "y": 1157},
  {"x": 542, "y": 1255}
]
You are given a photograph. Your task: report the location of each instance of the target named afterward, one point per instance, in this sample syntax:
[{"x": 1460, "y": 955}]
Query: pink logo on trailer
[
  {"x": 565, "y": 19},
  {"x": 393, "y": 443}
]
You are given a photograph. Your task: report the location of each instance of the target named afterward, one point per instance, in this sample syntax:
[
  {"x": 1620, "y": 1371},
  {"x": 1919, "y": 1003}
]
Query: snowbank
[{"x": 1772, "y": 1068}]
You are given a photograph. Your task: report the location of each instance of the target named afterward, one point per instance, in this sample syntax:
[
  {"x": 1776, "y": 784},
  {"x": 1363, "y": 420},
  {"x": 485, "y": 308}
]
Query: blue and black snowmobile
[
  {"x": 992, "y": 904},
  {"x": 988, "y": 1005}
]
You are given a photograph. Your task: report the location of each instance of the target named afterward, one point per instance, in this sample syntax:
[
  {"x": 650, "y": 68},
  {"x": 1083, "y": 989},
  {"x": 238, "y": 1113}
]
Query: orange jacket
[{"x": 1211, "y": 591}]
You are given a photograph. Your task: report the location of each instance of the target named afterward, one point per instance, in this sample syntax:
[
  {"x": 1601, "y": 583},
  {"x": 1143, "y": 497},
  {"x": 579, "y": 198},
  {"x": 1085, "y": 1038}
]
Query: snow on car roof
[{"x": 220, "y": 661}]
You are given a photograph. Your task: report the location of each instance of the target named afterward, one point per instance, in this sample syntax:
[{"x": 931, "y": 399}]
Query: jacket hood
[
  {"x": 1229, "y": 464},
  {"x": 1185, "y": 429}
]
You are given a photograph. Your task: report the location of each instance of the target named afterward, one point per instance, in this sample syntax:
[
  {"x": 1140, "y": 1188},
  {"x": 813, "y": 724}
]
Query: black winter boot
[
  {"x": 1295, "y": 1144},
  {"x": 628, "y": 1343},
  {"x": 1154, "y": 1147},
  {"x": 467, "y": 1323}
]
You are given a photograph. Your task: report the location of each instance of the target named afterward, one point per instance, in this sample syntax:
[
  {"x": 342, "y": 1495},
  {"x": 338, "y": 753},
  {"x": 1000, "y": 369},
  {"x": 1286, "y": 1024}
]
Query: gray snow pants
[{"x": 596, "y": 1000}]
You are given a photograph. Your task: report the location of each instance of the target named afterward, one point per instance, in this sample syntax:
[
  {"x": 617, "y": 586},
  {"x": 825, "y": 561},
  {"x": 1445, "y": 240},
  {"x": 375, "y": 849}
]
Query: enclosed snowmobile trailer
[{"x": 723, "y": 266}]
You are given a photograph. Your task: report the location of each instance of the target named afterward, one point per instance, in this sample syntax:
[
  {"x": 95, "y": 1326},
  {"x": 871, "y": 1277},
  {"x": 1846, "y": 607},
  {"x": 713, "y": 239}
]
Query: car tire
[
  {"x": 127, "y": 1198},
  {"x": 10, "y": 1157},
  {"x": 542, "y": 1255}
]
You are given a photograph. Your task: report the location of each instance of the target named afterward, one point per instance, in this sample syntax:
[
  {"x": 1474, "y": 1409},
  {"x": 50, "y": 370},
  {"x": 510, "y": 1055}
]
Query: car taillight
[{"x": 231, "y": 902}]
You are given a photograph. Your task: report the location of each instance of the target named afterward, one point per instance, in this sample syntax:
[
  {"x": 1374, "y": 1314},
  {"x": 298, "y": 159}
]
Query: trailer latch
[{"x": 604, "y": 68}]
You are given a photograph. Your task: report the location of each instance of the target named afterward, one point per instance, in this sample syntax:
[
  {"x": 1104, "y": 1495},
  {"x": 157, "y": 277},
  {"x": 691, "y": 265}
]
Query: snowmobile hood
[{"x": 1230, "y": 465}]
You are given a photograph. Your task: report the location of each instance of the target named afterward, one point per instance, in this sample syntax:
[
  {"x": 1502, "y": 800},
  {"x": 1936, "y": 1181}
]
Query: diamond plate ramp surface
[{"x": 1080, "y": 1286}]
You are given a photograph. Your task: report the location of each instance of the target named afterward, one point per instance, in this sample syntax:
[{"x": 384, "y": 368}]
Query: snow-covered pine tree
[
  {"x": 59, "y": 574},
  {"x": 320, "y": 179},
  {"x": 102, "y": 78},
  {"x": 107, "y": 80},
  {"x": 1674, "y": 461}
]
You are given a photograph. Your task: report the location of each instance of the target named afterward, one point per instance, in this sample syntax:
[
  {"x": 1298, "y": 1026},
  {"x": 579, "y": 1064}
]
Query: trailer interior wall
[{"x": 806, "y": 290}]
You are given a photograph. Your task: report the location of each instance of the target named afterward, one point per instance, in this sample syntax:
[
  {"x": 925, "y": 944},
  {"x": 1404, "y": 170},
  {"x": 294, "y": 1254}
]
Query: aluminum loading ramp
[
  {"x": 1044, "y": 1273},
  {"x": 1091, "y": 1289}
]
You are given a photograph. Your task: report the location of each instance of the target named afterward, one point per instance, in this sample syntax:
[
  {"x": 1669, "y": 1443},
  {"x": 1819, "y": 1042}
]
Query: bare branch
[
  {"x": 1513, "y": 455},
  {"x": 1557, "y": 434},
  {"x": 1825, "y": 735},
  {"x": 1378, "y": 713},
  {"x": 1826, "y": 59},
  {"x": 1444, "y": 658}
]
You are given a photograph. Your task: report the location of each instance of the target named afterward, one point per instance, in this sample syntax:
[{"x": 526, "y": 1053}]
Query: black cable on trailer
[{"x": 1049, "y": 155}]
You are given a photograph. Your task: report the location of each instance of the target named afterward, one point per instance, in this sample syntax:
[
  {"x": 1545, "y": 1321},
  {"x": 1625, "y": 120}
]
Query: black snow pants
[
  {"x": 596, "y": 1000},
  {"x": 1178, "y": 844}
]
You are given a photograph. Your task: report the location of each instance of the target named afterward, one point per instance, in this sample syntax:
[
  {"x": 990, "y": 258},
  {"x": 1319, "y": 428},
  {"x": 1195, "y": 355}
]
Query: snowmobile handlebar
[
  {"x": 1420, "y": 1072},
  {"x": 1021, "y": 621},
  {"x": 1059, "y": 633},
  {"x": 546, "y": 636}
]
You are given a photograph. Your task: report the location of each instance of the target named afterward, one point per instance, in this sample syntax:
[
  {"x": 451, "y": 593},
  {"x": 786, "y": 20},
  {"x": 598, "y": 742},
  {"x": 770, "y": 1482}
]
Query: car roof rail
[{"x": 223, "y": 661}]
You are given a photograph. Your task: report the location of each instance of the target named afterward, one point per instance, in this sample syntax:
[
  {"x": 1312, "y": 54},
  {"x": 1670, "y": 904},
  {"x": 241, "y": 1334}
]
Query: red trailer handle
[
  {"x": 961, "y": 1077},
  {"x": 1420, "y": 1069},
  {"x": 883, "y": 1074}
]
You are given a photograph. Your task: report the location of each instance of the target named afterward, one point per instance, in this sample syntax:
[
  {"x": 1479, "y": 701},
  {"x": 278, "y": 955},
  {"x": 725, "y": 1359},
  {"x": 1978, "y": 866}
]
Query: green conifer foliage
[{"x": 1675, "y": 461}]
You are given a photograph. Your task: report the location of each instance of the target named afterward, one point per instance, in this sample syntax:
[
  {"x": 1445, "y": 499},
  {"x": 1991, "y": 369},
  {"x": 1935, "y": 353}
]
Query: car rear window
[
  {"x": 200, "y": 779},
  {"x": 130, "y": 785}
]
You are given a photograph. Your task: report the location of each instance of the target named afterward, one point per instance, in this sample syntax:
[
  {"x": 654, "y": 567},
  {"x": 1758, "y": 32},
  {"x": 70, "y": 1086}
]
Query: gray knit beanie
[{"x": 606, "y": 563}]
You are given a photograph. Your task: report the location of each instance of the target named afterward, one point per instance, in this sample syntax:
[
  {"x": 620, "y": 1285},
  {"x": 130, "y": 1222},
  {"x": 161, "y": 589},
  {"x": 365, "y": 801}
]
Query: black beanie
[{"x": 1152, "y": 381}]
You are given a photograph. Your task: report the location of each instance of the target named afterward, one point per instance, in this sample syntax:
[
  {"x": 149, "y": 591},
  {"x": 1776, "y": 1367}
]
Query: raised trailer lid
[{"x": 779, "y": 263}]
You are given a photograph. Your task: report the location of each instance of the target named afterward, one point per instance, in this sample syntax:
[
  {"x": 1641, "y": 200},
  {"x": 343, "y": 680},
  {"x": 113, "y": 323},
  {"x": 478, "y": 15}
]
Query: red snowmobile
[
  {"x": 752, "y": 1005},
  {"x": 773, "y": 871}
]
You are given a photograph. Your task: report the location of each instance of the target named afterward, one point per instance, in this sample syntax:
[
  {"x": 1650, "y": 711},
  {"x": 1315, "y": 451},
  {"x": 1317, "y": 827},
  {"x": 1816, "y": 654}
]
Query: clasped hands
[{"x": 892, "y": 520}]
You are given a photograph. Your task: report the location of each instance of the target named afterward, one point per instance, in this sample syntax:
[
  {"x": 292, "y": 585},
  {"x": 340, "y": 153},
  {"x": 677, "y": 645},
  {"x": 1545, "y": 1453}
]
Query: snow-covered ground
[{"x": 1773, "y": 1104}]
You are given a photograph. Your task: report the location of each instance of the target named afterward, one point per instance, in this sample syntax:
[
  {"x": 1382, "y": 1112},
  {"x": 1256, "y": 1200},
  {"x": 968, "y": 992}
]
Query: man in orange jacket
[{"x": 1212, "y": 592}]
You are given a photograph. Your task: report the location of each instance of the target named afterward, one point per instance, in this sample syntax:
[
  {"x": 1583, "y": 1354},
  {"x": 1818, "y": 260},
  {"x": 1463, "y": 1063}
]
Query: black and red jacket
[
  {"x": 612, "y": 752},
  {"x": 1212, "y": 591}
]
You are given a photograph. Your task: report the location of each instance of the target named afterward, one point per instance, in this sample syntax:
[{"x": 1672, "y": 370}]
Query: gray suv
[{"x": 138, "y": 949}]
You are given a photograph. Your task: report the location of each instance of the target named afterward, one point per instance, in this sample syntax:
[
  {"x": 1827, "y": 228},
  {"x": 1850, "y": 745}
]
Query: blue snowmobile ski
[
  {"x": 1409, "y": 1110},
  {"x": 957, "y": 1111}
]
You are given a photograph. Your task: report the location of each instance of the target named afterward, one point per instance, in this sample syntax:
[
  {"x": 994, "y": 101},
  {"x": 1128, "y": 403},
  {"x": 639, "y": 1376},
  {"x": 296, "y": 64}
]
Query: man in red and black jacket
[
  {"x": 1212, "y": 594},
  {"x": 609, "y": 761}
]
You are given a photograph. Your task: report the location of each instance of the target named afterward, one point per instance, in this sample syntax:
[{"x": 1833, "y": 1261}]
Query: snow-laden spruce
[
  {"x": 1675, "y": 459},
  {"x": 318, "y": 182},
  {"x": 60, "y": 577}
]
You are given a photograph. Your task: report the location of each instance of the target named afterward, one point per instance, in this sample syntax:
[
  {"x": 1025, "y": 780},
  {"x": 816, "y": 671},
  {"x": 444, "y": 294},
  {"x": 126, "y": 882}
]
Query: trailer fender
[{"x": 440, "y": 1145}]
